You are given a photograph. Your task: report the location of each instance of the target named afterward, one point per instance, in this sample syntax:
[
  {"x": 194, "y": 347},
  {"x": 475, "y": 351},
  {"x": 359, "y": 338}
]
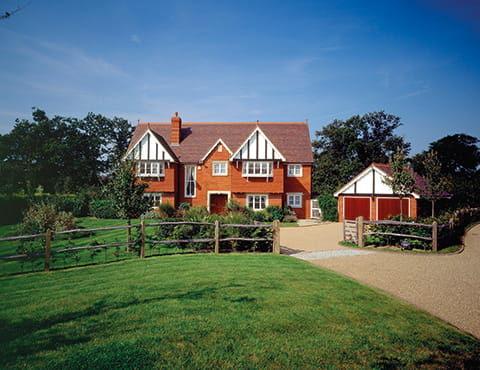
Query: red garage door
[
  {"x": 391, "y": 207},
  {"x": 355, "y": 207}
]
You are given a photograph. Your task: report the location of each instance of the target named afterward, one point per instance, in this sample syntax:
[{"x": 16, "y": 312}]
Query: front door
[{"x": 218, "y": 203}]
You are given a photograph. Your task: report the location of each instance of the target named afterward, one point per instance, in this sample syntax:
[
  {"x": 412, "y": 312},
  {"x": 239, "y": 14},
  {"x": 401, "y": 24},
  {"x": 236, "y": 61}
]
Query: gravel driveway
[{"x": 448, "y": 286}]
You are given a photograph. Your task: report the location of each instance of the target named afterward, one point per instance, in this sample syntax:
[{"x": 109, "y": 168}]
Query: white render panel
[
  {"x": 365, "y": 184},
  {"x": 380, "y": 186},
  {"x": 149, "y": 148},
  {"x": 257, "y": 147}
]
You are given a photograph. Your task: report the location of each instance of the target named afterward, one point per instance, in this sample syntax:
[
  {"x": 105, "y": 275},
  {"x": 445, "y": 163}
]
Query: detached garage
[{"x": 366, "y": 195}]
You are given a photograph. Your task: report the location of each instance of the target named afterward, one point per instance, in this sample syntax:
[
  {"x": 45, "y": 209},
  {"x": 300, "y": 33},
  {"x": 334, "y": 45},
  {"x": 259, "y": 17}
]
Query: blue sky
[{"x": 239, "y": 61}]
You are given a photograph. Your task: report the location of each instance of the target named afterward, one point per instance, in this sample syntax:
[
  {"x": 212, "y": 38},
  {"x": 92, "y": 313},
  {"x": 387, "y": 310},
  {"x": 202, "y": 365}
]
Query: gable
[
  {"x": 151, "y": 147},
  {"x": 218, "y": 144},
  {"x": 258, "y": 147},
  {"x": 369, "y": 181}
]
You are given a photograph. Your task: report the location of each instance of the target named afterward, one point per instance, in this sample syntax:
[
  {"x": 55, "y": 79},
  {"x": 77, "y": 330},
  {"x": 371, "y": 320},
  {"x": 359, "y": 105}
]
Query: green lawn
[{"x": 222, "y": 311}]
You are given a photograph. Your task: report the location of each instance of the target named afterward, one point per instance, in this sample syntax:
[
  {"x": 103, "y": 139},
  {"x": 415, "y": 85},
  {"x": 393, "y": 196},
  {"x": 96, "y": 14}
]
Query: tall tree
[
  {"x": 437, "y": 185},
  {"x": 62, "y": 154},
  {"x": 344, "y": 148},
  {"x": 459, "y": 157},
  {"x": 401, "y": 181}
]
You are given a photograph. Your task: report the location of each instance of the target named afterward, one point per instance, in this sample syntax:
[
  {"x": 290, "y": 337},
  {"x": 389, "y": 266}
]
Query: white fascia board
[
  {"x": 258, "y": 129},
  {"x": 219, "y": 141}
]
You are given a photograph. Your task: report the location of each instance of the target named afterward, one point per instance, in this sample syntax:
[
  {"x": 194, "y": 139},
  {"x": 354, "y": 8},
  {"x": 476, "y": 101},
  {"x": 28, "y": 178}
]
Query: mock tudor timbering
[{"x": 257, "y": 164}]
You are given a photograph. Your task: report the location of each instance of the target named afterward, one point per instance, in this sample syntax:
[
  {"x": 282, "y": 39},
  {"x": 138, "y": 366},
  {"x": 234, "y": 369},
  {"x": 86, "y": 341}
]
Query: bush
[
  {"x": 12, "y": 208},
  {"x": 290, "y": 218},
  {"x": 166, "y": 210},
  {"x": 329, "y": 206},
  {"x": 196, "y": 214},
  {"x": 103, "y": 208},
  {"x": 275, "y": 213},
  {"x": 261, "y": 216},
  {"x": 42, "y": 216},
  {"x": 150, "y": 215}
]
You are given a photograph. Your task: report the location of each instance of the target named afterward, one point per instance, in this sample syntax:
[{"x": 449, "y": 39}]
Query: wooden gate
[{"x": 350, "y": 231}]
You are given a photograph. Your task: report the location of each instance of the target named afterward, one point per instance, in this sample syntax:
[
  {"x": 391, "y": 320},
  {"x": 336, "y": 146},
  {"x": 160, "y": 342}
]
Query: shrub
[
  {"x": 166, "y": 210},
  {"x": 196, "y": 214},
  {"x": 275, "y": 213},
  {"x": 12, "y": 208},
  {"x": 261, "y": 216},
  {"x": 150, "y": 215},
  {"x": 290, "y": 218},
  {"x": 42, "y": 216},
  {"x": 329, "y": 206},
  {"x": 102, "y": 208},
  {"x": 184, "y": 207}
]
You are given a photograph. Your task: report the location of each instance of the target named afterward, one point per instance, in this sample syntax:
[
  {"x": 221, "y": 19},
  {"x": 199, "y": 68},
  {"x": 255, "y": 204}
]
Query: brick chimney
[{"x": 176, "y": 130}]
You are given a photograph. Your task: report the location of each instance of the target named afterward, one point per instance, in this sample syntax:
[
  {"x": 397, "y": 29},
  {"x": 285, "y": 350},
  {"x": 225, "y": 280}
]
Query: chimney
[{"x": 176, "y": 130}]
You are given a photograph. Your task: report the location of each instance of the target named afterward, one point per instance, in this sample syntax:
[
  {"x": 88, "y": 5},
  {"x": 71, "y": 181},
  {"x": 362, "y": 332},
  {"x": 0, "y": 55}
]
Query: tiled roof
[{"x": 291, "y": 139}]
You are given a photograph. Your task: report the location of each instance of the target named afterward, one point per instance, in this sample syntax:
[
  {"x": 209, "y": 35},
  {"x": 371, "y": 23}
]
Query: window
[
  {"x": 190, "y": 182},
  {"x": 220, "y": 168},
  {"x": 156, "y": 199},
  {"x": 257, "y": 169},
  {"x": 257, "y": 202},
  {"x": 294, "y": 170},
  {"x": 294, "y": 200},
  {"x": 150, "y": 169}
]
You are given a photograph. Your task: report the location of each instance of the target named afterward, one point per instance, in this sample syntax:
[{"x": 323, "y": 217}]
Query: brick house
[
  {"x": 366, "y": 195},
  {"x": 207, "y": 164}
]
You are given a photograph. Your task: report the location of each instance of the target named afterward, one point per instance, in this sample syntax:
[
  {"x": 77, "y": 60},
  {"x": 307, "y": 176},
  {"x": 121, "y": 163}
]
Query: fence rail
[
  {"x": 48, "y": 236},
  {"x": 355, "y": 230}
]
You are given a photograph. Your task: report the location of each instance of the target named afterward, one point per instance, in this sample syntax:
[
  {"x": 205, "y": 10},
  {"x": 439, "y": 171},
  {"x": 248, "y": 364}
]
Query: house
[
  {"x": 208, "y": 164},
  {"x": 368, "y": 196}
]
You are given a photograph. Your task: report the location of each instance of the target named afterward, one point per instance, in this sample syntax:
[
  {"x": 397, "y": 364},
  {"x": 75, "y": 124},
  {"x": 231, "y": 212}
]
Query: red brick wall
[
  {"x": 302, "y": 185},
  {"x": 162, "y": 184}
]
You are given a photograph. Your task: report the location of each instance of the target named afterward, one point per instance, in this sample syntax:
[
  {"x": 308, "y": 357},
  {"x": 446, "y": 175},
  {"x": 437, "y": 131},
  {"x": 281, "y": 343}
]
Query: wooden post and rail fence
[{"x": 48, "y": 236}]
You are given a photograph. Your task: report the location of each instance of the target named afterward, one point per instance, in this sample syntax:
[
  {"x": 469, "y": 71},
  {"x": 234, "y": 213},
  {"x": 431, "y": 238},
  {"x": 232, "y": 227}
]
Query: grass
[{"x": 217, "y": 311}]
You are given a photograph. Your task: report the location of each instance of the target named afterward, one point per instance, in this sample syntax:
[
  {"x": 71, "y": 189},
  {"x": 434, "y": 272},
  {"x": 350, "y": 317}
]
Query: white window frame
[
  {"x": 220, "y": 168},
  {"x": 190, "y": 169},
  {"x": 150, "y": 169},
  {"x": 295, "y": 170},
  {"x": 255, "y": 200},
  {"x": 292, "y": 200},
  {"x": 157, "y": 199},
  {"x": 257, "y": 169}
]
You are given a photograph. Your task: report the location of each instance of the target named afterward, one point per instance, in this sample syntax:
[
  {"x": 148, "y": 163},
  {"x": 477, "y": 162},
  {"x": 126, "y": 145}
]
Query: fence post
[
  {"x": 48, "y": 242},
  {"x": 434, "y": 236},
  {"x": 344, "y": 230},
  {"x": 276, "y": 237},
  {"x": 142, "y": 244},
  {"x": 360, "y": 240},
  {"x": 217, "y": 237}
]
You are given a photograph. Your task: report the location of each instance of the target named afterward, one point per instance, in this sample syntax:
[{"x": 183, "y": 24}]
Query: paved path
[{"x": 447, "y": 286}]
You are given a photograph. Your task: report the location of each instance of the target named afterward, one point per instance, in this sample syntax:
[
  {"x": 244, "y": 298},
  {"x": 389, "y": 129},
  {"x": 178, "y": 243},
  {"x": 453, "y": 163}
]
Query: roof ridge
[{"x": 226, "y": 123}]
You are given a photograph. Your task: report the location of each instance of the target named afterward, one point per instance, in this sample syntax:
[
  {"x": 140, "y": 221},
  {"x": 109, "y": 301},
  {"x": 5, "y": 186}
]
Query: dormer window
[
  {"x": 150, "y": 169},
  {"x": 257, "y": 169}
]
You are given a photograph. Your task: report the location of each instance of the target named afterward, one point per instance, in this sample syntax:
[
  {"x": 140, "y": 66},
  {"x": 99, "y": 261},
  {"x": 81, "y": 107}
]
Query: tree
[
  {"x": 459, "y": 158},
  {"x": 401, "y": 181},
  {"x": 62, "y": 154},
  {"x": 344, "y": 148},
  {"x": 127, "y": 193},
  {"x": 437, "y": 185}
]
